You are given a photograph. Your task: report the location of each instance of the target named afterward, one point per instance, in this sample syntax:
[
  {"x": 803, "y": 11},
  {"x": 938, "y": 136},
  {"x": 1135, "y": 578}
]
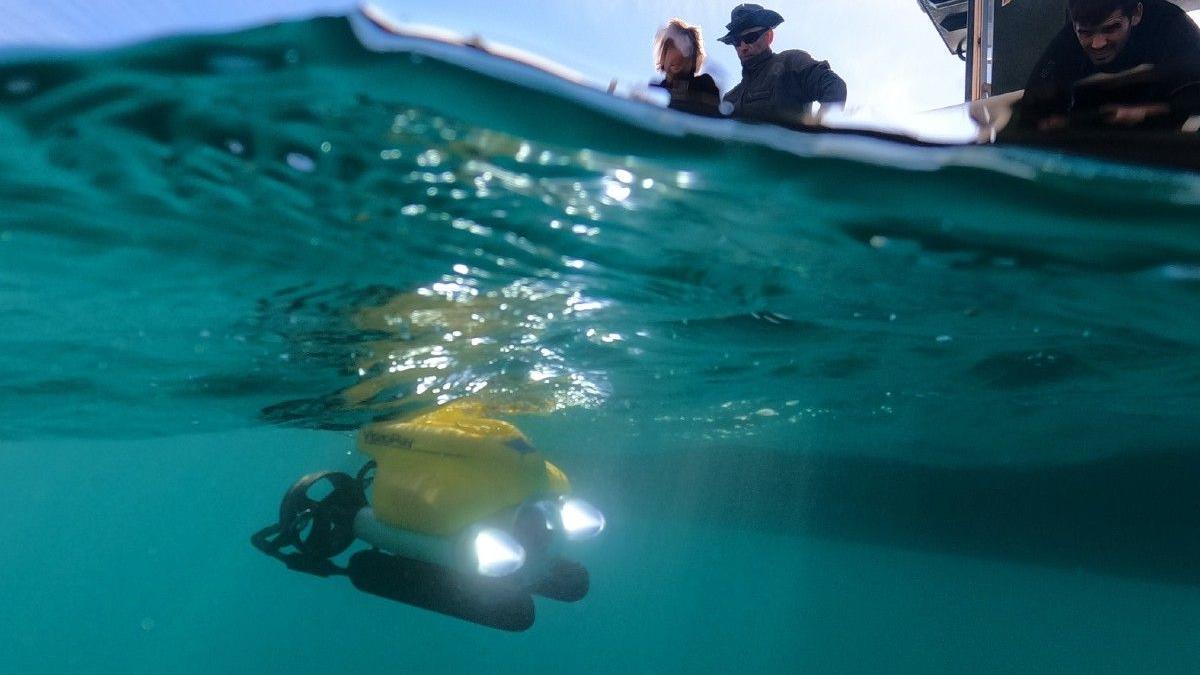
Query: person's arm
[
  {"x": 706, "y": 85},
  {"x": 1185, "y": 101},
  {"x": 1047, "y": 96},
  {"x": 808, "y": 80},
  {"x": 731, "y": 101},
  {"x": 702, "y": 97},
  {"x": 831, "y": 88},
  {"x": 1180, "y": 65},
  {"x": 1178, "y": 42}
]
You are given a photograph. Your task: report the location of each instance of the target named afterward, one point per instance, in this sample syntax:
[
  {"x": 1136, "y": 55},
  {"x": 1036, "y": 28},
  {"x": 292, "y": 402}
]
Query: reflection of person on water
[
  {"x": 678, "y": 54},
  {"x": 775, "y": 87},
  {"x": 1087, "y": 75}
]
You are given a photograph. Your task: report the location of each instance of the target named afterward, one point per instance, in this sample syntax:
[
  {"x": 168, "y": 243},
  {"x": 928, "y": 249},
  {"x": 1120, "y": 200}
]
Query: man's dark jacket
[
  {"x": 781, "y": 87},
  {"x": 1166, "y": 39}
]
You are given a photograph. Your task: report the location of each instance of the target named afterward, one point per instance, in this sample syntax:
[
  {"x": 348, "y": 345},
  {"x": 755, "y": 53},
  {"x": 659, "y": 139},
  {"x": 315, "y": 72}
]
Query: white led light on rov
[
  {"x": 580, "y": 519},
  {"x": 497, "y": 554}
]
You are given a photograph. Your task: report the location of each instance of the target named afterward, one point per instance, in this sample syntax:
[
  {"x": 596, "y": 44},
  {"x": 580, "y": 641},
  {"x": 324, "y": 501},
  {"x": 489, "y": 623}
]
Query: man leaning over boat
[
  {"x": 1127, "y": 63},
  {"x": 775, "y": 87}
]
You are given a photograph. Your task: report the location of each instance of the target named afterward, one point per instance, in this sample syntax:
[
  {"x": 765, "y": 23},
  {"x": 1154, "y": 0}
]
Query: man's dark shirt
[
  {"x": 781, "y": 87},
  {"x": 1166, "y": 38},
  {"x": 696, "y": 94}
]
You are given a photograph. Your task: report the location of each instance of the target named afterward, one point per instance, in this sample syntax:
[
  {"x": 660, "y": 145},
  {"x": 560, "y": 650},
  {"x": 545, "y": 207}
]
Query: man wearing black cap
[{"x": 775, "y": 87}]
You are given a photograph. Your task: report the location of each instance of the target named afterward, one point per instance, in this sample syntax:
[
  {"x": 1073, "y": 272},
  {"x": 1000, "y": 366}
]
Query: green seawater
[{"x": 862, "y": 407}]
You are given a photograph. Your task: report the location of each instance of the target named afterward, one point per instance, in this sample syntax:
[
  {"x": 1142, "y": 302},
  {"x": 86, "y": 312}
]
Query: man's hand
[
  {"x": 1053, "y": 123},
  {"x": 1133, "y": 115}
]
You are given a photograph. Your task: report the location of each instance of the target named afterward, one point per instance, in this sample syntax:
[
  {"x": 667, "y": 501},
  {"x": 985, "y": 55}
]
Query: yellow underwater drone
[
  {"x": 464, "y": 498},
  {"x": 468, "y": 492}
]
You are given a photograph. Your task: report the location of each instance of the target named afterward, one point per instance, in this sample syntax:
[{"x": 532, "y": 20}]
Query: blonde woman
[{"x": 678, "y": 55}]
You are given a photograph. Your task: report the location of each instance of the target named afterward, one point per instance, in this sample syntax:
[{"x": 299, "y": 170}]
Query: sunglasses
[{"x": 748, "y": 38}]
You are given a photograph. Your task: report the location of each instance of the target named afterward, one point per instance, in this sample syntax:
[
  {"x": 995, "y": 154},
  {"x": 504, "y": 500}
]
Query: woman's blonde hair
[{"x": 687, "y": 40}]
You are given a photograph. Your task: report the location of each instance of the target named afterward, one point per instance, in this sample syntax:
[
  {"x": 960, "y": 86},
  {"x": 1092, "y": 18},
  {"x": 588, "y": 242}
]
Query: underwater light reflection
[{"x": 617, "y": 191}]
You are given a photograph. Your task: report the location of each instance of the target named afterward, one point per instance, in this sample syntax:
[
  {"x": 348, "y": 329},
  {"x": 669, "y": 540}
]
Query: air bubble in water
[{"x": 301, "y": 162}]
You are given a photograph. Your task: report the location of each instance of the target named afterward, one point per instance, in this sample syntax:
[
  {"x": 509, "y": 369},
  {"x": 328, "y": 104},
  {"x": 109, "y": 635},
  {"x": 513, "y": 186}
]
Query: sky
[{"x": 887, "y": 50}]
